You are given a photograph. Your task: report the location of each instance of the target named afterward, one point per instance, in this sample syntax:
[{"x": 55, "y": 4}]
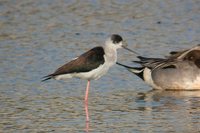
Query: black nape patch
[
  {"x": 116, "y": 38},
  {"x": 170, "y": 66}
]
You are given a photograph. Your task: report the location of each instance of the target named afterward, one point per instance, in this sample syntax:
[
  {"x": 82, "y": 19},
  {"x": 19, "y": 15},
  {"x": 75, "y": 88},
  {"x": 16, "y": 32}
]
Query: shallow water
[{"x": 36, "y": 37}]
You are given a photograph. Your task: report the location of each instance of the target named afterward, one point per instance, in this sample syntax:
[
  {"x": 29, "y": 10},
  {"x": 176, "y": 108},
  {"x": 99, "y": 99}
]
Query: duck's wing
[
  {"x": 181, "y": 54},
  {"x": 174, "y": 57},
  {"x": 150, "y": 62},
  {"x": 176, "y": 54}
]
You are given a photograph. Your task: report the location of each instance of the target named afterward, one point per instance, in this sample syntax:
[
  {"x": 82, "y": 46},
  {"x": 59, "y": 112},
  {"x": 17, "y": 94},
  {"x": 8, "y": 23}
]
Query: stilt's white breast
[
  {"x": 91, "y": 75},
  {"x": 94, "y": 74}
]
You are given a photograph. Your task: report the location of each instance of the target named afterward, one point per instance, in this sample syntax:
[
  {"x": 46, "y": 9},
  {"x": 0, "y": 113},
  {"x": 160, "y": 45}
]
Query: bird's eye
[{"x": 191, "y": 58}]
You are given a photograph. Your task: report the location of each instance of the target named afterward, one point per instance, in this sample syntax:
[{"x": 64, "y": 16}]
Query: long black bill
[{"x": 131, "y": 50}]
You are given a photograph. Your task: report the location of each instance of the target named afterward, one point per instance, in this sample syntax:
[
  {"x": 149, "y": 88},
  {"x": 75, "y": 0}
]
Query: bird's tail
[
  {"x": 136, "y": 70},
  {"x": 47, "y": 77}
]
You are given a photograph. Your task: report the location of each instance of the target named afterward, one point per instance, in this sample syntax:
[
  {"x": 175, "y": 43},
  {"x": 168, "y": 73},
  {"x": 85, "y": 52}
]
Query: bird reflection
[{"x": 159, "y": 99}]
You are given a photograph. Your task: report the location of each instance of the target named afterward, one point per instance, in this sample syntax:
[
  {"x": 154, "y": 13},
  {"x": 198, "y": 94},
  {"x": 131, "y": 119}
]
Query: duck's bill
[{"x": 130, "y": 50}]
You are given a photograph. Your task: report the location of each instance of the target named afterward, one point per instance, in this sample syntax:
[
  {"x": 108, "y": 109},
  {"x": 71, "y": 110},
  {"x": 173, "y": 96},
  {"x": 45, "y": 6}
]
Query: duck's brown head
[{"x": 194, "y": 56}]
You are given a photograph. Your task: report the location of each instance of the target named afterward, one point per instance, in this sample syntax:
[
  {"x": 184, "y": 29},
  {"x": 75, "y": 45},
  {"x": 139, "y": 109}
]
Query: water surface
[{"x": 36, "y": 37}]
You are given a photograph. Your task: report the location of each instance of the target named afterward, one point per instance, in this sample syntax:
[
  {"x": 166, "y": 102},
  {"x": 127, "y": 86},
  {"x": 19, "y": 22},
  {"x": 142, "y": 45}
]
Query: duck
[{"x": 178, "y": 71}]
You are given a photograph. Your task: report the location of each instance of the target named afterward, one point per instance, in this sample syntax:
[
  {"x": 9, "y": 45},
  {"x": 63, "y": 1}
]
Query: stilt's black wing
[{"x": 84, "y": 63}]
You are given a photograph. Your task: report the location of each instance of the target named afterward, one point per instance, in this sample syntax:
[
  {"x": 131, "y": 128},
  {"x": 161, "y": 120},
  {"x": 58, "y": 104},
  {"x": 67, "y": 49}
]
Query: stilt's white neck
[{"x": 110, "y": 53}]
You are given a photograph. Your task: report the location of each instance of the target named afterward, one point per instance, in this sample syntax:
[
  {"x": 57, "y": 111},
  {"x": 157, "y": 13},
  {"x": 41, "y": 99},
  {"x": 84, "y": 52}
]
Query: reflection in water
[
  {"x": 118, "y": 111},
  {"x": 87, "y": 128},
  {"x": 176, "y": 107},
  {"x": 167, "y": 99}
]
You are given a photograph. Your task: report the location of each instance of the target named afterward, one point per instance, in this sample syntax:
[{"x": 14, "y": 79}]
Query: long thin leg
[
  {"x": 86, "y": 105},
  {"x": 86, "y": 100}
]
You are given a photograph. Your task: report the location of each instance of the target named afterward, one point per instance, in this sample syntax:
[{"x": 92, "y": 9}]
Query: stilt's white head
[{"x": 115, "y": 41}]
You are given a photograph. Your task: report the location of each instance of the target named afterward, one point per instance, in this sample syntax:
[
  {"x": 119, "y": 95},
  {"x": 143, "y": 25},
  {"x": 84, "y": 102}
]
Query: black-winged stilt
[{"x": 91, "y": 65}]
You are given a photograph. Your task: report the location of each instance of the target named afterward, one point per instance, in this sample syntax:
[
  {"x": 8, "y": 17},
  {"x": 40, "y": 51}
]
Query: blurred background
[{"x": 36, "y": 37}]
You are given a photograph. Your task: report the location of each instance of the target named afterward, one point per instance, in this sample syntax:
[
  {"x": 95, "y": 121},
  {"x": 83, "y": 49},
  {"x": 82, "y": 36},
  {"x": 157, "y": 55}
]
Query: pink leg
[
  {"x": 86, "y": 106},
  {"x": 86, "y": 101}
]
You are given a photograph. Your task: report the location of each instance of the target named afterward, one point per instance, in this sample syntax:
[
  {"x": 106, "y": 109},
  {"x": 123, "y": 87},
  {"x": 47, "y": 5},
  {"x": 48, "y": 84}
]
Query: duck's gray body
[{"x": 179, "y": 71}]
